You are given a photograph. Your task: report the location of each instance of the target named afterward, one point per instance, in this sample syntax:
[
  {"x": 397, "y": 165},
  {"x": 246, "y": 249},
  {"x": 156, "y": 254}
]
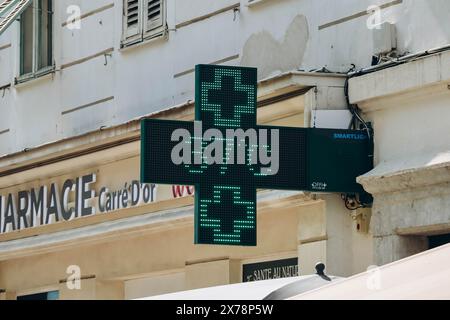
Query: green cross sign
[{"x": 225, "y": 191}]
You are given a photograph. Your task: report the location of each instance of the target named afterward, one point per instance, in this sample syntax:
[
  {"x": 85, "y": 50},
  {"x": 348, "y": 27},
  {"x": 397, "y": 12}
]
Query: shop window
[
  {"x": 143, "y": 20},
  {"x": 437, "y": 241},
  {"x": 36, "y": 45},
  {"x": 49, "y": 295}
]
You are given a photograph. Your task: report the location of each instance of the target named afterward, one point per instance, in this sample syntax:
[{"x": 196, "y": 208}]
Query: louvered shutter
[
  {"x": 132, "y": 20},
  {"x": 10, "y": 10},
  {"x": 154, "y": 17}
]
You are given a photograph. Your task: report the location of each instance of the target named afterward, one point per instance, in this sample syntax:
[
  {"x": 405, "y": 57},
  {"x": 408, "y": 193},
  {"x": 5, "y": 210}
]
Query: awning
[
  {"x": 422, "y": 276},
  {"x": 10, "y": 11},
  {"x": 275, "y": 289}
]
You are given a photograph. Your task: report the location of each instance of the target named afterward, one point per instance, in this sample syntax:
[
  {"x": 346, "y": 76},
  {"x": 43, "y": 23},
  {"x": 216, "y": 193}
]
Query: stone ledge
[
  {"x": 433, "y": 70},
  {"x": 390, "y": 176},
  {"x": 428, "y": 230}
]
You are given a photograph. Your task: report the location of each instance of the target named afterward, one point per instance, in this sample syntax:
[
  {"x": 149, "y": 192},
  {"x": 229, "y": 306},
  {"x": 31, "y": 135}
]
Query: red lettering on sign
[{"x": 182, "y": 191}]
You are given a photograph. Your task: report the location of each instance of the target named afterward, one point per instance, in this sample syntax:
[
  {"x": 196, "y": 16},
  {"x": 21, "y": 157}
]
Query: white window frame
[{"x": 145, "y": 29}]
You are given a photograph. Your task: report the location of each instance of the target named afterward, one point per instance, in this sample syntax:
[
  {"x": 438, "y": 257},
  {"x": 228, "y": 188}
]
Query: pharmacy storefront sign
[
  {"x": 227, "y": 156},
  {"x": 75, "y": 198}
]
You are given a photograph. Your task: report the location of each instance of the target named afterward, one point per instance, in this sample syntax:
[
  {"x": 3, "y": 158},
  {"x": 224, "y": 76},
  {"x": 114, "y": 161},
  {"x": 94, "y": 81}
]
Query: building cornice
[
  {"x": 387, "y": 87},
  {"x": 388, "y": 177}
]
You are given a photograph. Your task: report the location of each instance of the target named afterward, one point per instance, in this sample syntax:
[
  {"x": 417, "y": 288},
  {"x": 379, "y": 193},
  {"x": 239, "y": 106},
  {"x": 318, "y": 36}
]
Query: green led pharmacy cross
[{"x": 227, "y": 156}]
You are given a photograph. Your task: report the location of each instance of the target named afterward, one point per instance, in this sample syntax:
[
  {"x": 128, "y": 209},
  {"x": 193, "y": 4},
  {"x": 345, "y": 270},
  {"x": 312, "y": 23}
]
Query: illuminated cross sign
[{"x": 227, "y": 156}]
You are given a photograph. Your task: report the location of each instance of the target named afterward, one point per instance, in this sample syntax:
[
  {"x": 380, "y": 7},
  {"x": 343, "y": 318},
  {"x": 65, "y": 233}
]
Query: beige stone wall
[
  {"x": 212, "y": 273},
  {"x": 128, "y": 257},
  {"x": 155, "y": 284},
  {"x": 163, "y": 261},
  {"x": 328, "y": 233}
]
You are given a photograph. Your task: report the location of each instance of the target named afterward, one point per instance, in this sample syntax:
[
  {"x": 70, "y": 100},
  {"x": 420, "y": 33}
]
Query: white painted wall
[{"x": 141, "y": 78}]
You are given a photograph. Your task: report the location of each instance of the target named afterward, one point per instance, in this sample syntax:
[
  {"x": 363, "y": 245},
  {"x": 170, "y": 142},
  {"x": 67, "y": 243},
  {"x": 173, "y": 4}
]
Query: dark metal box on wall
[{"x": 335, "y": 158}]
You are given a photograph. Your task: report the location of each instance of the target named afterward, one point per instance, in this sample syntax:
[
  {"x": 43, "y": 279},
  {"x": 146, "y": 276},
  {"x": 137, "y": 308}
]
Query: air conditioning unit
[{"x": 384, "y": 38}]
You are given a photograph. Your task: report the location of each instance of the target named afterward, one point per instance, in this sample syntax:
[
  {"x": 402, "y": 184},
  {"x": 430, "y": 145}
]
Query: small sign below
[{"x": 270, "y": 270}]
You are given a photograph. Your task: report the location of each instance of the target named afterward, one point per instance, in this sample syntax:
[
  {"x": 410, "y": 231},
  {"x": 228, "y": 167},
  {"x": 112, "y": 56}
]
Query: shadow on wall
[{"x": 271, "y": 56}]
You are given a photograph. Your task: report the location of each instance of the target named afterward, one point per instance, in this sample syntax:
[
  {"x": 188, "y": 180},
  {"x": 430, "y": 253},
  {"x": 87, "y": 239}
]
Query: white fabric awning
[
  {"x": 10, "y": 11},
  {"x": 257, "y": 290},
  {"x": 423, "y": 276}
]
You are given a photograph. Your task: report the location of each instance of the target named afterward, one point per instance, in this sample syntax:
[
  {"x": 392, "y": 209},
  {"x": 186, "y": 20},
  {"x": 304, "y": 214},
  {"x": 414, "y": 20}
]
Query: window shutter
[
  {"x": 154, "y": 16},
  {"x": 132, "y": 20},
  {"x": 10, "y": 10}
]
